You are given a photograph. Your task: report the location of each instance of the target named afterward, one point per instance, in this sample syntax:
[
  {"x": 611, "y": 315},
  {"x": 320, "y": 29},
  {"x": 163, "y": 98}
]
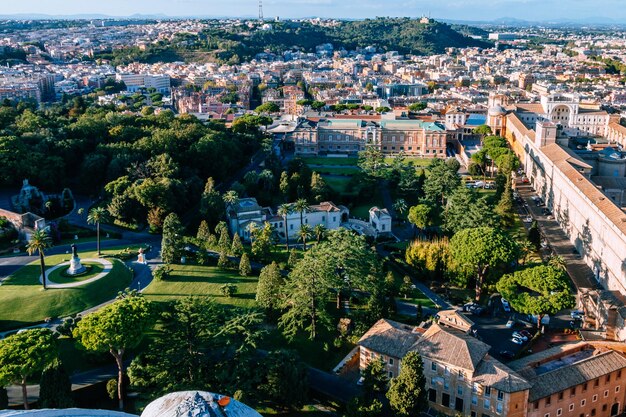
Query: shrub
[{"x": 228, "y": 290}]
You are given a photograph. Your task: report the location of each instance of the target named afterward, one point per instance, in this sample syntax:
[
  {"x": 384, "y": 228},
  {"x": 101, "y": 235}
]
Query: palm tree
[
  {"x": 557, "y": 262},
  {"x": 526, "y": 248},
  {"x": 96, "y": 216},
  {"x": 301, "y": 206},
  {"x": 320, "y": 232},
  {"x": 267, "y": 177},
  {"x": 252, "y": 230},
  {"x": 284, "y": 211},
  {"x": 400, "y": 206},
  {"x": 39, "y": 241},
  {"x": 305, "y": 233},
  {"x": 231, "y": 197}
]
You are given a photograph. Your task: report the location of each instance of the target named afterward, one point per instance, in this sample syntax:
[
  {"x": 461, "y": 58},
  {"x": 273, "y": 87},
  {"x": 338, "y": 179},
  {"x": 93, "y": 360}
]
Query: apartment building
[
  {"x": 350, "y": 136},
  {"x": 581, "y": 379}
]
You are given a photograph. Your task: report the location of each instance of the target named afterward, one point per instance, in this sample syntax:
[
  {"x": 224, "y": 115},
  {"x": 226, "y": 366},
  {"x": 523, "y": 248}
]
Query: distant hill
[{"x": 234, "y": 45}]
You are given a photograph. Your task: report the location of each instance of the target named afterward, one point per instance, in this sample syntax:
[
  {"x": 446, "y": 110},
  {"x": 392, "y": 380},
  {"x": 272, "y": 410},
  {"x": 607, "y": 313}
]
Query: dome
[
  {"x": 497, "y": 111},
  {"x": 197, "y": 404}
]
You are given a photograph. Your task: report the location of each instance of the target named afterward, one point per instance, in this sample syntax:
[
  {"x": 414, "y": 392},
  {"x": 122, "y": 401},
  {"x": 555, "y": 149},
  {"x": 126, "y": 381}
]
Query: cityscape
[{"x": 312, "y": 209}]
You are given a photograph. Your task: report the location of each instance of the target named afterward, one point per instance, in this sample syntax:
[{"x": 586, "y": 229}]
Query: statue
[{"x": 75, "y": 266}]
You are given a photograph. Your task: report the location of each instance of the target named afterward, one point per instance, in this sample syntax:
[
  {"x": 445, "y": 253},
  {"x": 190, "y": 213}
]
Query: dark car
[{"x": 507, "y": 354}]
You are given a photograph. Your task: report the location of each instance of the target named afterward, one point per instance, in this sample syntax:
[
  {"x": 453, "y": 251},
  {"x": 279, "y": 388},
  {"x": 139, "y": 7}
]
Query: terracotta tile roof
[
  {"x": 452, "y": 346},
  {"x": 519, "y": 125},
  {"x": 565, "y": 161},
  {"x": 530, "y": 108},
  {"x": 493, "y": 373},
  {"x": 390, "y": 338}
]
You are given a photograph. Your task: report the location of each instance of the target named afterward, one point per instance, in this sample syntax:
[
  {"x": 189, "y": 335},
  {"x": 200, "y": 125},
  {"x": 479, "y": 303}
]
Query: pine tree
[
  {"x": 268, "y": 289},
  {"x": 203, "y": 233},
  {"x": 293, "y": 258},
  {"x": 407, "y": 393},
  {"x": 319, "y": 188},
  {"x": 244, "y": 265},
  {"x": 504, "y": 209},
  {"x": 224, "y": 242},
  {"x": 284, "y": 184},
  {"x": 236, "y": 248},
  {"x": 55, "y": 387},
  {"x": 223, "y": 261},
  {"x": 211, "y": 242},
  {"x": 172, "y": 243}
]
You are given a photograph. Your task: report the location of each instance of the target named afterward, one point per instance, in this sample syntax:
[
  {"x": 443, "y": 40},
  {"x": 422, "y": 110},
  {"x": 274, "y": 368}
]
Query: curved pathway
[{"x": 51, "y": 284}]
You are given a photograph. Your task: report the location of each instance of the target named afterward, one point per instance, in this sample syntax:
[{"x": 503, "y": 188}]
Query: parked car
[
  {"x": 519, "y": 335},
  {"x": 469, "y": 306},
  {"x": 507, "y": 354},
  {"x": 528, "y": 219},
  {"x": 510, "y": 324},
  {"x": 505, "y": 305},
  {"x": 577, "y": 314},
  {"x": 526, "y": 333},
  {"x": 517, "y": 340}
]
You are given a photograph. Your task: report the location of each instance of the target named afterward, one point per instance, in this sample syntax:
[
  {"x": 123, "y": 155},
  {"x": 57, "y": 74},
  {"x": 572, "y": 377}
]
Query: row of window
[
  {"x": 572, "y": 391},
  {"x": 614, "y": 410}
]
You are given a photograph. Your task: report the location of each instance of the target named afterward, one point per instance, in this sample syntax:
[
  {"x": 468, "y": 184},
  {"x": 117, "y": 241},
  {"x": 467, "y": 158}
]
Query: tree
[
  {"x": 301, "y": 206},
  {"x": 400, "y": 206},
  {"x": 202, "y": 344},
  {"x": 526, "y": 249},
  {"x": 228, "y": 290},
  {"x": 96, "y": 216},
  {"x": 537, "y": 290},
  {"x": 268, "y": 107},
  {"x": 172, "y": 241},
  {"x": 115, "y": 329},
  {"x": 236, "y": 248},
  {"x": 55, "y": 387},
  {"x": 480, "y": 249},
  {"x": 419, "y": 106},
  {"x": 465, "y": 209},
  {"x": 534, "y": 235},
  {"x": 429, "y": 257},
  {"x": 224, "y": 243},
  {"x": 372, "y": 162},
  {"x": 262, "y": 243},
  {"x": 283, "y": 184},
  {"x": 223, "y": 262},
  {"x": 441, "y": 181},
  {"x": 286, "y": 381},
  {"x": 231, "y": 198},
  {"x": 23, "y": 355},
  {"x": 374, "y": 378},
  {"x": 420, "y": 216},
  {"x": 305, "y": 233},
  {"x": 557, "y": 262},
  {"x": 40, "y": 241},
  {"x": 504, "y": 209},
  {"x": 406, "y": 288},
  {"x": 269, "y": 287},
  {"x": 318, "y": 105},
  {"x": 319, "y": 188},
  {"x": 482, "y": 130},
  {"x": 244, "y": 265},
  {"x": 284, "y": 211},
  {"x": 304, "y": 296},
  {"x": 204, "y": 233},
  {"x": 319, "y": 231},
  {"x": 211, "y": 203},
  {"x": 407, "y": 393}
]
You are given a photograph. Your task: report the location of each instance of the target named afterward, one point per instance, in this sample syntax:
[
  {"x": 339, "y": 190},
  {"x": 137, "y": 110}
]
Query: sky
[{"x": 534, "y": 10}]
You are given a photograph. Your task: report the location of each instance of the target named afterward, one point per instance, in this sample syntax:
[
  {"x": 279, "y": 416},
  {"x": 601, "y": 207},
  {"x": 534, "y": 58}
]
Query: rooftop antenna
[{"x": 261, "y": 10}]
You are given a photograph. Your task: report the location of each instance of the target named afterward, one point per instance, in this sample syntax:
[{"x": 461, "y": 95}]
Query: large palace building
[
  {"x": 350, "y": 136},
  {"x": 573, "y": 156}
]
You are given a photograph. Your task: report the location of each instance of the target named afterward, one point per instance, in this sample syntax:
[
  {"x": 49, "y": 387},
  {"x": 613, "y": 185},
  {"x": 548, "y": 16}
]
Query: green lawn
[
  {"x": 60, "y": 276},
  {"x": 336, "y": 170},
  {"x": 307, "y": 411},
  {"x": 24, "y": 302},
  {"x": 192, "y": 280},
  {"x": 418, "y": 162},
  {"x": 338, "y": 184},
  {"x": 321, "y": 160}
]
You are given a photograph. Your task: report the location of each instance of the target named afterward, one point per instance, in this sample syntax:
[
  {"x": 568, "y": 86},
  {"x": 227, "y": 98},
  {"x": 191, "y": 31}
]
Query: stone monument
[{"x": 75, "y": 265}]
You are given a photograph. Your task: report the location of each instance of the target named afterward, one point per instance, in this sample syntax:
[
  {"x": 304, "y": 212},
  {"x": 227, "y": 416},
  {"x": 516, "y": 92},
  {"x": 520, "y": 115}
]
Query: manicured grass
[
  {"x": 338, "y": 184},
  {"x": 419, "y": 162},
  {"x": 192, "y": 280},
  {"x": 24, "y": 302},
  {"x": 336, "y": 171},
  {"x": 362, "y": 211},
  {"x": 60, "y": 276},
  {"x": 307, "y": 411},
  {"x": 321, "y": 160}
]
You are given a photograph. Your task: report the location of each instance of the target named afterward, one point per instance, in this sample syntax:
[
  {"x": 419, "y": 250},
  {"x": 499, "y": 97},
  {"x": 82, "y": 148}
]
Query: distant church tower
[{"x": 261, "y": 10}]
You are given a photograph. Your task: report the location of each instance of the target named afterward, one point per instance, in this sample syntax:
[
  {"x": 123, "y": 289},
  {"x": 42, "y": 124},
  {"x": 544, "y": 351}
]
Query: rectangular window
[
  {"x": 560, "y": 395},
  {"x": 500, "y": 395},
  {"x": 445, "y": 400},
  {"x": 432, "y": 395},
  {"x": 433, "y": 381},
  {"x": 475, "y": 388},
  {"x": 499, "y": 408},
  {"x": 474, "y": 400},
  {"x": 390, "y": 375},
  {"x": 594, "y": 398},
  {"x": 596, "y": 382},
  {"x": 459, "y": 390},
  {"x": 446, "y": 384},
  {"x": 487, "y": 403},
  {"x": 559, "y": 412},
  {"x": 608, "y": 378},
  {"x": 617, "y": 388},
  {"x": 487, "y": 391},
  {"x": 606, "y": 393},
  {"x": 461, "y": 375},
  {"x": 583, "y": 403},
  {"x": 433, "y": 366},
  {"x": 572, "y": 392},
  {"x": 548, "y": 400},
  {"x": 390, "y": 361},
  {"x": 571, "y": 407},
  {"x": 584, "y": 387}
]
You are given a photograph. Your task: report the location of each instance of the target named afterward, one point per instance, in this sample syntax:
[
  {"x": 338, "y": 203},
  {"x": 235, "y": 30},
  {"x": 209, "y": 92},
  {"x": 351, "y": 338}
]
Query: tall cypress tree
[
  {"x": 407, "y": 393},
  {"x": 55, "y": 387}
]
